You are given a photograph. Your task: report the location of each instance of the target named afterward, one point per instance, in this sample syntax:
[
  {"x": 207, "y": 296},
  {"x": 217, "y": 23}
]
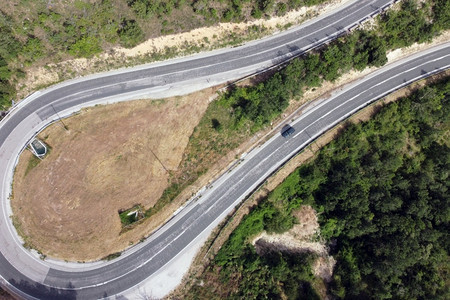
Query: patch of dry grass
[{"x": 110, "y": 158}]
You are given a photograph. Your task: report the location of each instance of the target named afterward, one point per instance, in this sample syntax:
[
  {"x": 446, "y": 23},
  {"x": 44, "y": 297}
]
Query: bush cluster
[
  {"x": 381, "y": 190},
  {"x": 262, "y": 103},
  {"x": 9, "y": 48}
]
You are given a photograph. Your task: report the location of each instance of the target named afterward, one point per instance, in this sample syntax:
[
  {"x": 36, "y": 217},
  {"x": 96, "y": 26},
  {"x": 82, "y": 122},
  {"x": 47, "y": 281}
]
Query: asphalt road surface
[
  {"x": 224, "y": 195},
  {"x": 42, "y": 279}
]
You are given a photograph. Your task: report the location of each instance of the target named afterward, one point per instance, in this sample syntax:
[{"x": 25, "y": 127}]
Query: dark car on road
[{"x": 287, "y": 131}]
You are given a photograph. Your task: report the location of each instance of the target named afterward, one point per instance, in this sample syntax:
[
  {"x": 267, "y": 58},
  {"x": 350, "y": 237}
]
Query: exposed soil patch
[
  {"x": 303, "y": 237},
  {"x": 68, "y": 204}
]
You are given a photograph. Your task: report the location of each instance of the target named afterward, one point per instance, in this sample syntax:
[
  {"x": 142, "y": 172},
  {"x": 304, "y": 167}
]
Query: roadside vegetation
[
  {"x": 41, "y": 32},
  {"x": 32, "y": 163},
  {"x": 4, "y": 295},
  {"x": 130, "y": 216},
  {"x": 34, "y": 160},
  {"x": 242, "y": 111},
  {"x": 8, "y": 52},
  {"x": 381, "y": 193},
  {"x": 112, "y": 256}
]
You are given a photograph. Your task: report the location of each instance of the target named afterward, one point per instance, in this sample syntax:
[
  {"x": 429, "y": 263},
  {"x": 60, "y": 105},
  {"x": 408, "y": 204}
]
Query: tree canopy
[{"x": 381, "y": 189}]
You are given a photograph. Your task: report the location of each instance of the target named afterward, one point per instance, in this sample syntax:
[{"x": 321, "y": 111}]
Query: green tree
[
  {"x": 85, "y": 47},
  {"x": 130, "y": 33}
]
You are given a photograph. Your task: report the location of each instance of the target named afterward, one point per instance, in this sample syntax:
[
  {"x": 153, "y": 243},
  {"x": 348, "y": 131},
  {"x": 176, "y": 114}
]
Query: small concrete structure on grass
[{"x": 38, "y": 148}]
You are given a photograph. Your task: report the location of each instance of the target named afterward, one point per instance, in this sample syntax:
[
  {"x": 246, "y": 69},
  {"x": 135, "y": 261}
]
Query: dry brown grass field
[{"x": 67, "y": 205}]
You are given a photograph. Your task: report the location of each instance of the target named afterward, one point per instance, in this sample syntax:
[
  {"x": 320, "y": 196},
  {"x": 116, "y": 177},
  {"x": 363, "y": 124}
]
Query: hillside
[
  {"x": 381, "y": 193},
  {"x": 39, "y": 33}
]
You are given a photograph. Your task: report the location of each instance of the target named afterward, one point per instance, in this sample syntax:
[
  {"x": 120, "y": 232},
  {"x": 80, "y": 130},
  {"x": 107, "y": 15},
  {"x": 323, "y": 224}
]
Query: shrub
[
  {"x": 85, "y": 47},
  {"x": 130, "y": 33}
]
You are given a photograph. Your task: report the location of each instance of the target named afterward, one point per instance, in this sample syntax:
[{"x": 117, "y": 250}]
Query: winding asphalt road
[{"x": 25, "y": 274}]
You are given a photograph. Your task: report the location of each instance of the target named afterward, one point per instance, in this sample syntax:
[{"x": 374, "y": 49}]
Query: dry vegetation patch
[{"x": 110, "y": 158}]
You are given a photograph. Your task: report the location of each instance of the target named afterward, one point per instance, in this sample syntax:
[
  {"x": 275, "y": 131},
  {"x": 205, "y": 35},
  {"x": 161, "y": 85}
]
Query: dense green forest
[
  {"x": 382, "y": 193},
  {"x": 34, "y": 31},
  {"x": 244, "y": 110},
  {"x": 8, "y": 47},
  {"x": 38, "y": 32},
  {"x": 412, "y": 23},
  {"x": 373, "y": 216}
]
